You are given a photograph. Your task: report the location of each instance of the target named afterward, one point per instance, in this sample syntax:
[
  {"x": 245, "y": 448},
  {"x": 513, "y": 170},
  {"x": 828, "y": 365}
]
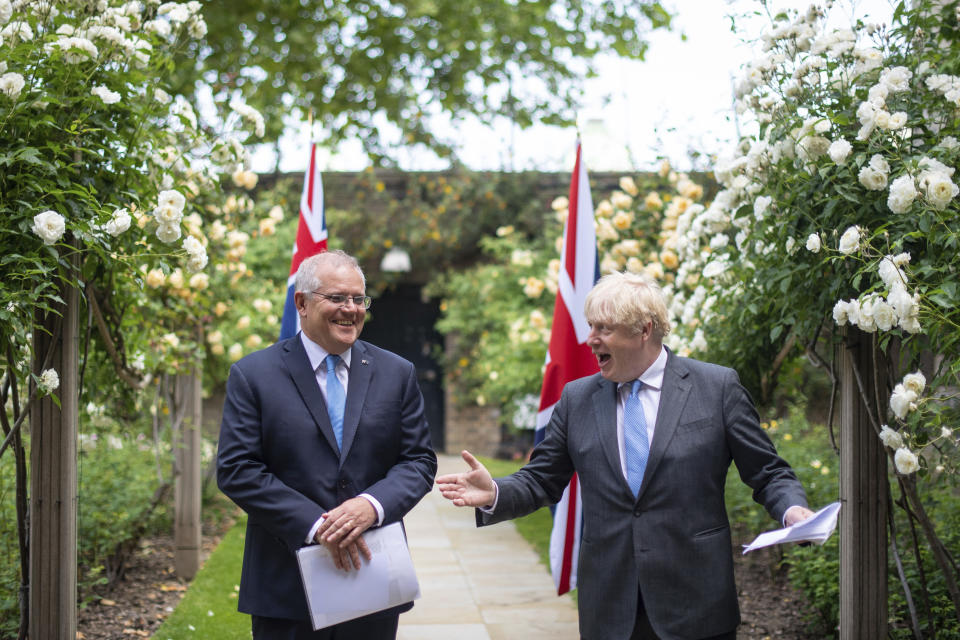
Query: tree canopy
[{"x": 360, "y": 65}]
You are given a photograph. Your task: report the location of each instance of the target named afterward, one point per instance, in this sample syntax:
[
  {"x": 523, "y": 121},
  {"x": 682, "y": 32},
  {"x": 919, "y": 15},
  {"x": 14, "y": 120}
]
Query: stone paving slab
[{"x": 478, "y": 584}]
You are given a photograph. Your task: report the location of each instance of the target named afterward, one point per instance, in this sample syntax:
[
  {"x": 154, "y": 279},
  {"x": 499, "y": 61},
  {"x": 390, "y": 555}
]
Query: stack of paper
[
  {"x": 387, "y": 580},
  {"x": 817, "y": 528}
]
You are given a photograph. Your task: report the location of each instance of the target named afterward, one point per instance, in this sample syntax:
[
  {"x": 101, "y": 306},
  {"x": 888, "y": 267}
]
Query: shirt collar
[
  {"x": 316, "y": 354},
  {"x": 653, "y": 376}
]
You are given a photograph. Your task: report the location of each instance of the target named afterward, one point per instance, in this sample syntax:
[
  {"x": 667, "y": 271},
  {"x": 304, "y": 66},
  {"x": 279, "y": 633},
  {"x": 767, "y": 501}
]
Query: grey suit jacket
[{"x": 672, "y": 541}]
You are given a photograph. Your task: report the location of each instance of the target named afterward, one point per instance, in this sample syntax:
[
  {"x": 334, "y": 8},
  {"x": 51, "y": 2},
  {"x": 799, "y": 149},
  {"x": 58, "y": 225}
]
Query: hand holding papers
[
  {"x": 387, "y": 580},
  {"x": 817, "y": 528}
]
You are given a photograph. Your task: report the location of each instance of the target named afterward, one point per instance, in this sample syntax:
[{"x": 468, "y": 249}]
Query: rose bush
[{"x": 853, "y": 158}]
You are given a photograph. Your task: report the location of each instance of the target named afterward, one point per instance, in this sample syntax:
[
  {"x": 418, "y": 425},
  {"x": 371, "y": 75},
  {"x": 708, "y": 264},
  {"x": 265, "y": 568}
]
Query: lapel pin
[{"x": 364, "y": 362}]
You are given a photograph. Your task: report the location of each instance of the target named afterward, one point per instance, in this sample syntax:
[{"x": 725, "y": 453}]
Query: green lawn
[
  {"x": 535, "y": 528},
  {"x": 209, "y": 607}
]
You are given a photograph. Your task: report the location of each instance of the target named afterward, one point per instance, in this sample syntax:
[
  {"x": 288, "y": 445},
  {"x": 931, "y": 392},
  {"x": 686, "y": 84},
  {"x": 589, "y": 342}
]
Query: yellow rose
[
  {"x": 220, "y": 309},
  {"x": 604, "y": 209},
  {"x": 622, "y": 220},
  {"x": 654, "y": 270},
  {"x": 669, "y": 259},
  {"x": 243, "y": 323},
  {"x": 628, "y": 185},
  {"x": 155, "y": 278},
  {"x": 652, "y": 201},
  {"x": 235, "y": 352},
  {"x": 268, "y": 227},
  {"x": 176, "y": 279},
  {"x": 621, "y": 200},
  {"x": 537, "y": 319},
  {"x": 199, "y": 281}
]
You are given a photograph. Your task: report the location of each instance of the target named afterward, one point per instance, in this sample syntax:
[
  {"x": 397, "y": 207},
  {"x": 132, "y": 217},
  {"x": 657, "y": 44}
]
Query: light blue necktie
[
  {"x": 336, "y": 399},
  {"x": 636, "y": 446}
]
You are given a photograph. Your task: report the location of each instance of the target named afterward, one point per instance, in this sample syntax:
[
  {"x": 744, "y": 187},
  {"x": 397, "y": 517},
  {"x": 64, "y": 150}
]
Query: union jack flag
[
  {"x": 311, "y": 238},
  {"x": 569, "y": 358}
]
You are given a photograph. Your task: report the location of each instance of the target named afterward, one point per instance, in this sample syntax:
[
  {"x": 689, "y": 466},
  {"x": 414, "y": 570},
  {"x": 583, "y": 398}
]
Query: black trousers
[
  {"x": 643, "y": 631},
  {"x": 372, "y": 627}
]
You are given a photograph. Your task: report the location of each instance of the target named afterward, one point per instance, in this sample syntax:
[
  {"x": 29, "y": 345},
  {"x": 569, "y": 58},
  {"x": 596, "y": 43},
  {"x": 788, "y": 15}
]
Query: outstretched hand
[{"x": 475, "y": 488}]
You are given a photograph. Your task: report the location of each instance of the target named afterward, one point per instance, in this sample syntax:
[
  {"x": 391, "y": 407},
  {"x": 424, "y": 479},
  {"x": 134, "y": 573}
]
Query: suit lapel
[
  {"x": 361, "y": 371},
  {"x": 298, "y": 364},
  {"x": 605, "y": 409},
  {"x": 673, "y": 397}
]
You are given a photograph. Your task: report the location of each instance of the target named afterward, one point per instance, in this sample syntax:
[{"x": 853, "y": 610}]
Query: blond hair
[{"x": 630, "y": 300}]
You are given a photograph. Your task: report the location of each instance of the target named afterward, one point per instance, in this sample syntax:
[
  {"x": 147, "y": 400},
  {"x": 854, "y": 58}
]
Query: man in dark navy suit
[{"x": 323, "y": 436}]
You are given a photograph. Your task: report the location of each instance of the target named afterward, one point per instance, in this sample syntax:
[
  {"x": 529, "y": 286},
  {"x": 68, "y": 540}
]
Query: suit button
[
  {"x": 343, "y": 484},
  {"x": 637, "y": 513}
]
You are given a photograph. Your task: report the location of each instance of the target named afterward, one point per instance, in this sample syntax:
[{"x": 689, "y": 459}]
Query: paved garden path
[{"x": 478, "y": 584}]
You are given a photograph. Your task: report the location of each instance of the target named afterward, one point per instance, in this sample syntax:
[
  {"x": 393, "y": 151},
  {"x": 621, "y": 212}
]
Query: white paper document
[
  {"x": 387, "y": 580},
  {"x": 817, "y": 528}
]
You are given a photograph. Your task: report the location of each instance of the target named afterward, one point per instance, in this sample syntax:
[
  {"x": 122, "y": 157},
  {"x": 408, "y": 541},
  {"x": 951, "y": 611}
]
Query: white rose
[
  {"x": 891, "y": 439},
  {"x": 915, "y": 382},
  {"x": 906, "y": 461},
  {"x": 168, "y": 233},
  {"x": 850, "y": 240},
  {"x": 897, "y": 121},
  {"x": 49, "y": 225},
  {"x": 105, "y": 94},
  {"x": 900, "y": 299},
  {"x": 890, "y": 273},
  {"x": 872, "y": 179},
  {"x": 883, "y": 315},
  {"x": 235, "y": 351},
  {"x": 940, "y": 190},
  {"x": 12, "y": 84},
  {"x": 49, "y": 381},
  {"x": 760, "y": 206},
  {"x": 839, "y": 150},
  {"x": 902, "y": 194},
  {"x": 902, "y": 401},
  {"x": 880, "y": 164},
  {"x": 119, "y": 223},
  {"x": 171, "y": 198},
  {"x": 813, "y": 243}
]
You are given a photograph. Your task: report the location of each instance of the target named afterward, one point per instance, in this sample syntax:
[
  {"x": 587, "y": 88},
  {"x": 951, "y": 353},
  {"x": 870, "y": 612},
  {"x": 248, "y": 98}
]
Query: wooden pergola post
[
  {"x": 188, "y": 481},
  {"x": 53, "y": 478},
  {"x": 863, "y": 494}
]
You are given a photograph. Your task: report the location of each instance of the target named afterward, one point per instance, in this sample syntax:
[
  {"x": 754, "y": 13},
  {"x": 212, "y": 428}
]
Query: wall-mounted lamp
[{"x": 396, "y": 260}]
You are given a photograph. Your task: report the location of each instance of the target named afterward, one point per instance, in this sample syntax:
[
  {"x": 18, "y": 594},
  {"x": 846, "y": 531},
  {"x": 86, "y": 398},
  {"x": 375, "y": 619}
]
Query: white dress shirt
[{"x": 317, "y": 354}]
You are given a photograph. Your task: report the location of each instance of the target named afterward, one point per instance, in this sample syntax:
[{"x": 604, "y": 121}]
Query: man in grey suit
[{"x": 651, "y": 438}]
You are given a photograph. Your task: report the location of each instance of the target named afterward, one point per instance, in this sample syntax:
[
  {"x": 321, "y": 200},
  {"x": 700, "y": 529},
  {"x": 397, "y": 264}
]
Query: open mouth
[
  {"x": 602, "y": 358},
  {"x": 344, "y": 323}
]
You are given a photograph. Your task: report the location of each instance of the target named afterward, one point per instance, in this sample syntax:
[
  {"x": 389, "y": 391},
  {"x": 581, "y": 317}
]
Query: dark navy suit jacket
[{"x": 278, "y": 458}]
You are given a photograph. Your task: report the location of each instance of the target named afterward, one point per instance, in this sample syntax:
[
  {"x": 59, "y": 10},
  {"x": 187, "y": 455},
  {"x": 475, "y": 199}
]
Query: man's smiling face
[
  {"x": 620, "y": 352},
  {"x": 334, "y": 327}
]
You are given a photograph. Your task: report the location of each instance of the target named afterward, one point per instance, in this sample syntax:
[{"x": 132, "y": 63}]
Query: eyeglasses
[{"x": 341, "y": 299}]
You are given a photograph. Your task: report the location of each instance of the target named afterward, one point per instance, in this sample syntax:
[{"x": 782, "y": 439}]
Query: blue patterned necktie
[
  {"x": 636, "y": 444},
  {"x": 335, "y": 398}
]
